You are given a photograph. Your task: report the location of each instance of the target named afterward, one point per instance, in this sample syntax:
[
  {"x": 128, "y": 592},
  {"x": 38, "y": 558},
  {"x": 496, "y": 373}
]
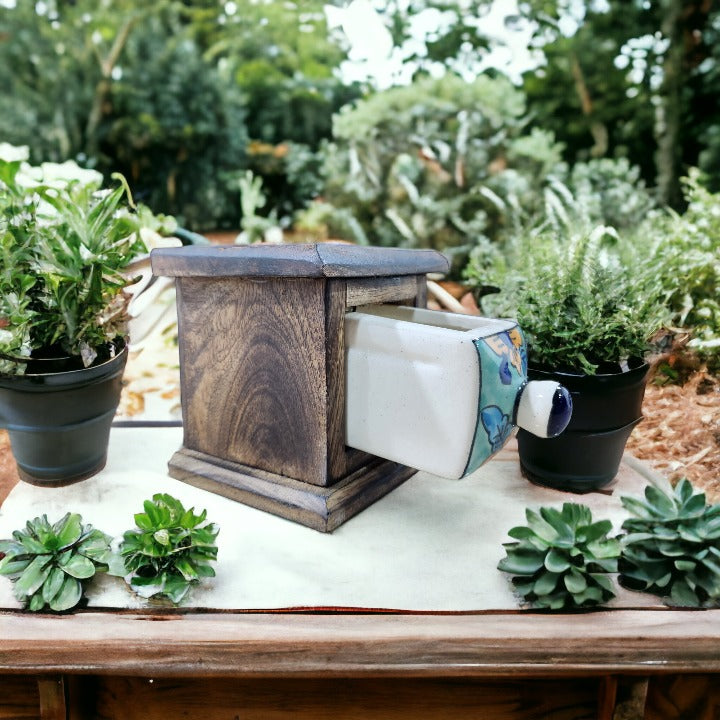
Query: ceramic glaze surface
[
  {"x": 503, "y": 369},
  {"x": 438, "y": 391}
]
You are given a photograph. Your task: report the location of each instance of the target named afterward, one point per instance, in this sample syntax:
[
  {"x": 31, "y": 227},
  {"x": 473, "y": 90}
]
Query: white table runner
[{"x": 430, "y": 545}]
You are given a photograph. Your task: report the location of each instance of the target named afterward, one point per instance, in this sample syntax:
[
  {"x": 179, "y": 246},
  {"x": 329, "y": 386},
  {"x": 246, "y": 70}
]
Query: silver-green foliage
[
  {"x": 561, "y": 558},
  {"x": 440, "y": 163},
  {"x": 170, "y": 550},
  {"x": 685, "y": 251},
  {"x": 63, "y": 247},
  {"x": 672, "y": 546},
  {"x": 49, "y": 564}
]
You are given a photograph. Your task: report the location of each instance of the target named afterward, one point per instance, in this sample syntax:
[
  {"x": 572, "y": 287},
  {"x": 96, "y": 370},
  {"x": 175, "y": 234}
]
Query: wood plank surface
[
  {"x": 19, "y": 697},
  {"x": 252, "y": 356},
  {"x": 348, "y": 645},
  {"x": 294, "y": 260},
  {"x": 349, "y": 699},
  {"x": 317, "y": 507},
  {"x": 366, "y": 291},
  {"x": 52, "y": 698}
]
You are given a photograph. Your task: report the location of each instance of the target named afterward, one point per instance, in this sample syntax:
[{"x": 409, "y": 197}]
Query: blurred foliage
[
  {"x": 170, "y": 93},
  {"x": 684, "y": 250},
  {"x": 174, "y": 125},
  {"x": 636, "y": 79},
  {"x": 441, "y": 163}
]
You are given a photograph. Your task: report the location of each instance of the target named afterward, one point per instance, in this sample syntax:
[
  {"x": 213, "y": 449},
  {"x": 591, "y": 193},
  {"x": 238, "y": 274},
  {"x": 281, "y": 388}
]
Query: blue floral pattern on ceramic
[{"x": 503, "y": 374}]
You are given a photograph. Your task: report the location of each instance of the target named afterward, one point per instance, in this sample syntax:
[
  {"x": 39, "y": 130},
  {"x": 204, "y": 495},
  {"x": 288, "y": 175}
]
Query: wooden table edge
[{"x": 357, "y": 645}]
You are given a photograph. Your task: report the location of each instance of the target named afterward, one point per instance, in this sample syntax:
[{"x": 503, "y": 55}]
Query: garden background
[{"x": 407, "y": 123}]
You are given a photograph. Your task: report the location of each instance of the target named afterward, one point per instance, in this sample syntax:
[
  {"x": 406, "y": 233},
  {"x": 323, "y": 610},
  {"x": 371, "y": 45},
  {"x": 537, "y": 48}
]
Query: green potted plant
[
  {"x": 588, "y": 309},
  {"x": 63, "y": 246}
]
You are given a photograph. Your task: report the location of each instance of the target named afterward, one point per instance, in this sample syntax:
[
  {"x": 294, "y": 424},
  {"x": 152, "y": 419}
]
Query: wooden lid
[{"x": 331, "y": 260}]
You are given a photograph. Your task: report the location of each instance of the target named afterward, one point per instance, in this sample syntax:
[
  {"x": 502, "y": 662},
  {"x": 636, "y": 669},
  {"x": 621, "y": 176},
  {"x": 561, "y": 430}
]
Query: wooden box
[{"x": 262, "y": 369}]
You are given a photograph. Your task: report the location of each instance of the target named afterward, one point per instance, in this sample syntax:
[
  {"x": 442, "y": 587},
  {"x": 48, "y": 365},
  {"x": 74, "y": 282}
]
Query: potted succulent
[
  {"x": 63, "y": 247},
  {"x": 588, "y": 313}
]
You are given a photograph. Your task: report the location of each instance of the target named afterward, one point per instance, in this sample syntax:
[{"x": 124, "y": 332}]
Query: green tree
[
  {"x": 166, "y": 91},
  {"x": 630, "y": 81}
]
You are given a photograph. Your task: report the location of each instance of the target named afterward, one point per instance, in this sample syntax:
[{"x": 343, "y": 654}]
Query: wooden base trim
[{"x": 316, "y": 507}]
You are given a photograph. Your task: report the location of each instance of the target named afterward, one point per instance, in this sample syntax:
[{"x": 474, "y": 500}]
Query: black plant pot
[
  {"x": 59, "y": 421},
  {"x": 587, "y": 456}
]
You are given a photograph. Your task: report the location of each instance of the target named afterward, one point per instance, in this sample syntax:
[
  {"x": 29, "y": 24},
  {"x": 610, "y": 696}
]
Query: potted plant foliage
[
  {"x": 63, "y": 246},
  {"x": 588, "y": 312}
]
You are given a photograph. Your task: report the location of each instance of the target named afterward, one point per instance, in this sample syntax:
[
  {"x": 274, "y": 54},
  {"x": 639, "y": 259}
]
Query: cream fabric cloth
[{"x": 430, "y": 545}]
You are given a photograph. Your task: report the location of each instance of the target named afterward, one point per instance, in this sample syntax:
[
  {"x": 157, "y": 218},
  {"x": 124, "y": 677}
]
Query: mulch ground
[
  {"x": 680, "y": 433},
  {"x": 8, "y": 470}
]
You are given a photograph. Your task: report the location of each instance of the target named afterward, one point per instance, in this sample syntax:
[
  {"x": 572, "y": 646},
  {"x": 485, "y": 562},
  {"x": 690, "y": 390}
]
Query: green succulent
[
  {"x": 50, "y": 564},
  {"x": 672, "y": 546},
  {"x": 561, "y": 558},
  {"x": 170, "y": 551}
]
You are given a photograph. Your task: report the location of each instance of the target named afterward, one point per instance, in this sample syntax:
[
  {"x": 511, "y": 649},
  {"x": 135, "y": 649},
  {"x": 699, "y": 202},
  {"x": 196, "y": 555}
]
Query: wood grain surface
[
  {"x": 350, "y": 699},
  {"x": 348, "y": 645},
  {"x": 252, "y": 364},
  {"x": 19, "y": 698},
  {"x": 366, "y": 291},
  {"x": 315, "y": 506},
  {"x": 294, "y": 260}
]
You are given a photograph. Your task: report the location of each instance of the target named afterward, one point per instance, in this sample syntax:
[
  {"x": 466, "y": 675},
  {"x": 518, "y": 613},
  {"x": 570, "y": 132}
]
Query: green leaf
[
  {"x": 176, "y": 588},
  {"x": 78, "y": 566},
  {"x": 521, "y": 562},
  {"x": 639, "y": 508},
  {"x": 11, "y": 547},
  {"x": 604, "y": 549},
  {"x": 683, "y": 595},
  {"x": 684, "y": 490},
  {"x": 143, "y": 521},
  {"x": 556, "y": 561},
  {"x": 595, "y": 531},
  {"x": 588, "y": 597},
  {"x": 153, "y": 512},
  {"x": 34, "y": 576},
  {"x": 575, "y": 582},
  {"x": 660, "y": 502},
  {"x": 70, "y": 530},
  {"x": 604, "y": 582},
  {"x": 689, "y": 534},
  {"x": 33, "y": 546},
  {"x": 36, "y": 603},
  {"x": 521, "y": 532},
  {"x": 69, "y": 595},
  {"x": 162, "y": 536},
  {"x": 540, "y": 527},
  {"x": 52, "y": 585},
  {"x": 186, "y": 569},
  {"x": 10, "y": 566},
  {"x": 694, "y": 506},
  {"x": 565, "y": 537},
  {"x": 546, "y": 583},
  {"x": 685, "y": 565}
]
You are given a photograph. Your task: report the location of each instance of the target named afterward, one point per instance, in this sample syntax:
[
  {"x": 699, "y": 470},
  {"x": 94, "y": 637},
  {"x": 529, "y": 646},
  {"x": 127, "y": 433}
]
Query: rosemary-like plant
[
  {"x": 50, "y": 564},
  {"x": 170, "y": 551},
  {"x": 561, "y": 558},
  {"x": 581, "y": 304},
  {"x": 672, "y": 546}
]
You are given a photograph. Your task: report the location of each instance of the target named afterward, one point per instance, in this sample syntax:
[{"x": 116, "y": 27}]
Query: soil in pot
[
  {"x": 59, "y": 422},
  {"x": 587, "y": 456}
]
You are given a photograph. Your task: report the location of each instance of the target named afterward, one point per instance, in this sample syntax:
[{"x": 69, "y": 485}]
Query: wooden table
[{"x": 637, "y": 659}]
